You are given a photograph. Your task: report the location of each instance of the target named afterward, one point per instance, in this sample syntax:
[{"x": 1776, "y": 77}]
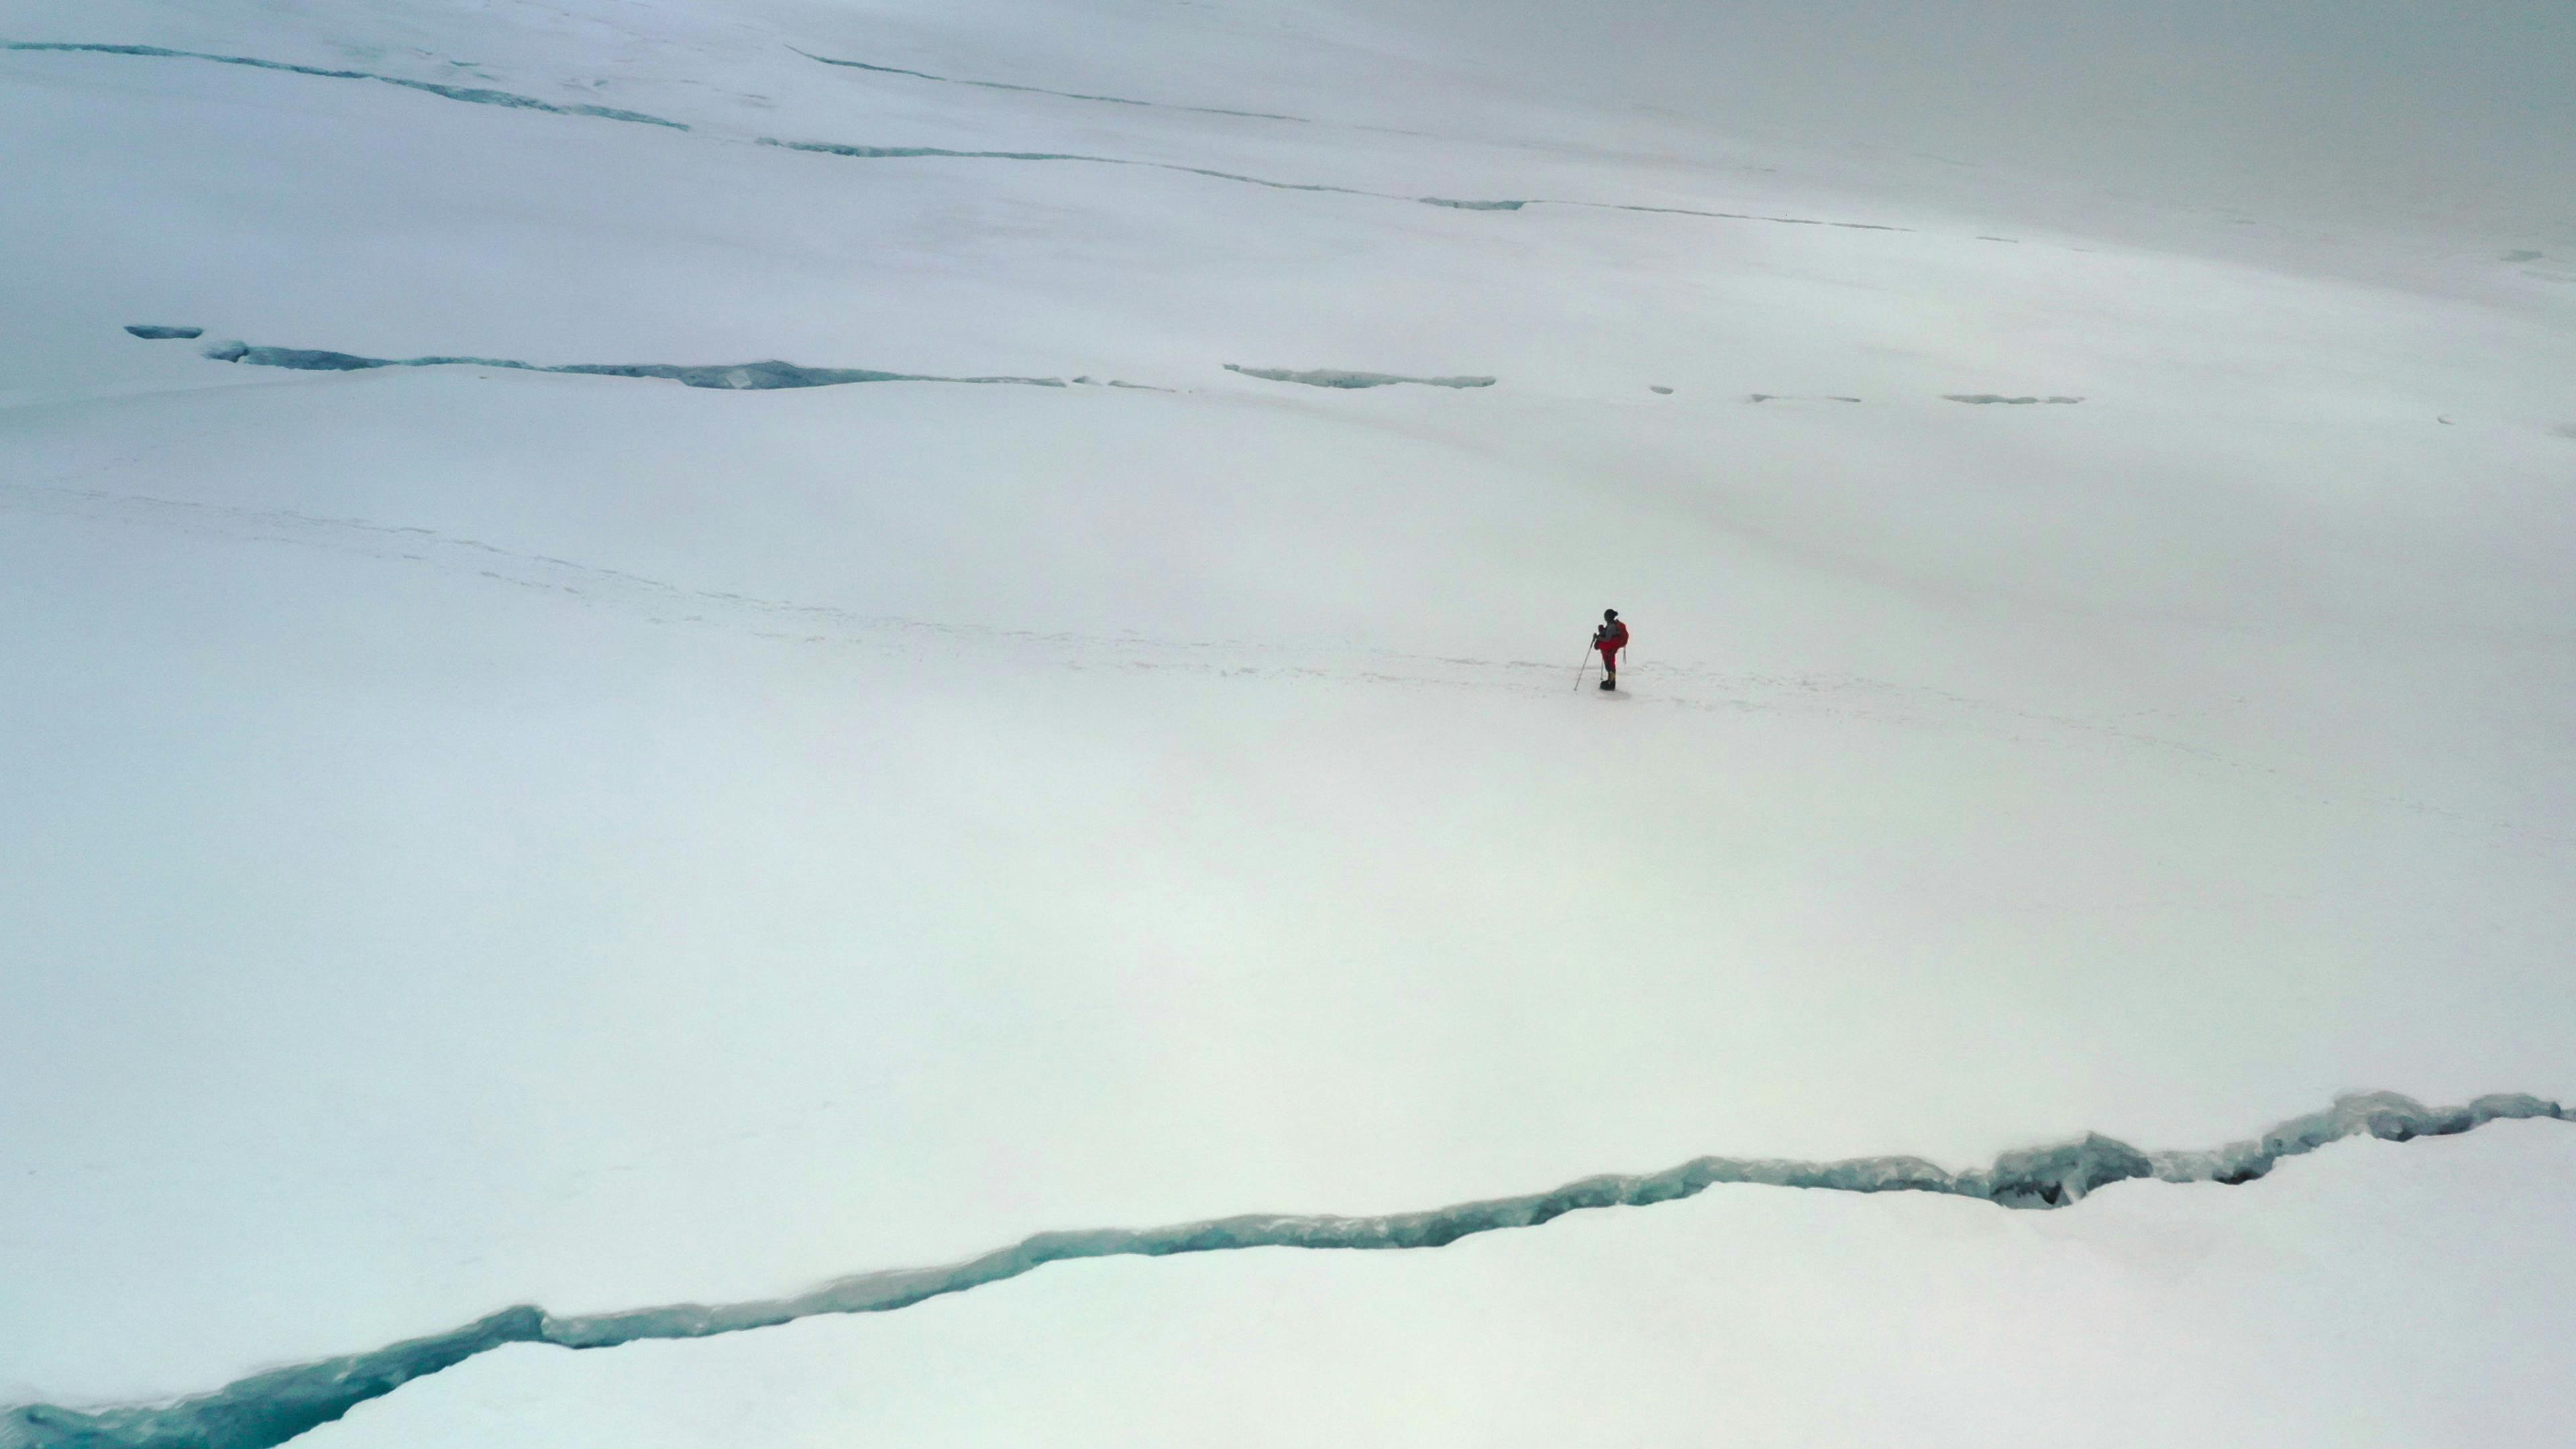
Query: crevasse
[{"x": 270, "y": 1408}]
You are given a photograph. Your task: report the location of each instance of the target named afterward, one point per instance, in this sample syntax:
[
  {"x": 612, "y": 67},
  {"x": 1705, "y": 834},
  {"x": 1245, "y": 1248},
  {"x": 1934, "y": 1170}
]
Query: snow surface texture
[{"x": 272, "y": 1407}]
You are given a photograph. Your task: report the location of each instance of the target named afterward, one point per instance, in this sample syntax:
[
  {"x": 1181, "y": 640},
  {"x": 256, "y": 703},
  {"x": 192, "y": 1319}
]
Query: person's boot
[{"x": 1608, "y": 683}]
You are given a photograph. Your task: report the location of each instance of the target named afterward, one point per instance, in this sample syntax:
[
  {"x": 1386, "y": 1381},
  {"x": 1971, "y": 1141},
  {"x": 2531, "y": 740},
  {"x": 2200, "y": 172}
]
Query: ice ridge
[
  {"x": 270, "y": 1408},
  {"x": 472, "y": 94},
  {"x": 739, "y": 376}
]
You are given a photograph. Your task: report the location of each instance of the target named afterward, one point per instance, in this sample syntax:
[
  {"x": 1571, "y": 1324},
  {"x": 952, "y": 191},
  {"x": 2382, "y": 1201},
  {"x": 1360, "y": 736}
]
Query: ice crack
[
  {"x": 737, "y": 376},
  {"x": 1337, "y": 377},
  {"x": 482, "y": 96},
  {"x": 884, "y": 153},
  {"x": 475, "y": 95},
  {"x": 1043, "y": 91},
  {"x": 270, "y": 1408}
]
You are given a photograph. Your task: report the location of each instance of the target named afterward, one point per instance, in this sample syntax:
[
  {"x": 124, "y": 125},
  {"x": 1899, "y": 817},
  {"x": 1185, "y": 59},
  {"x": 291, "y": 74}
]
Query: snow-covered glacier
[{"x": 666, "y": 651}]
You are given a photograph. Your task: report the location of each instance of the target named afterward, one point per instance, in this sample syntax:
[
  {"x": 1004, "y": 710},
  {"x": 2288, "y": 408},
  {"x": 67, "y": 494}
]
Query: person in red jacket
[{"x": 1610, "y": 638}]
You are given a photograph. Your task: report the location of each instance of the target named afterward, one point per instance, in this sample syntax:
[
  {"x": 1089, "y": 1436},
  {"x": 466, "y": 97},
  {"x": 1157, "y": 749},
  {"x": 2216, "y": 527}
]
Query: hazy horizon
[{"x": 2372, "y": 109}]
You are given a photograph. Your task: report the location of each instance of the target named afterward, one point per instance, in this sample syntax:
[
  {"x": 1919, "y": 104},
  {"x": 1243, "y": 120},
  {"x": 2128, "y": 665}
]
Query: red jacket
[{"x": 1611, "y": 637}]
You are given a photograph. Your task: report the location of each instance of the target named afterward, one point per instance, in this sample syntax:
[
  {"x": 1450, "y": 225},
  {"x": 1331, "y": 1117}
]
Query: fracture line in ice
[
  {"x": 269, "y": 1408},
  {"x": 1044, "y": 91},
  {"x": 481, "y": 96},
  {"x": 1338, "y": 377},
  {"x": 894, "y": 70},
  {"x": 738, "y": 376},
  {"x": 1727, "y": 215},
  {"x": 907, "y": 153},
  {"x": 891, "y": 153},
  {"x": 472, "y": 94}
]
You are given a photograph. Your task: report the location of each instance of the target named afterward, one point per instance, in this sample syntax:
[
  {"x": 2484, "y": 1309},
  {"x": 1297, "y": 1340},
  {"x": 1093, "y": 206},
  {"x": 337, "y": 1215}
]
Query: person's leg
[{"x": 1609, "y": 669}]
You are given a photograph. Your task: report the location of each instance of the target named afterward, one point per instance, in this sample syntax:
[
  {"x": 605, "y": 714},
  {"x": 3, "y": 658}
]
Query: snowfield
[{"x": 730, "y": 643}]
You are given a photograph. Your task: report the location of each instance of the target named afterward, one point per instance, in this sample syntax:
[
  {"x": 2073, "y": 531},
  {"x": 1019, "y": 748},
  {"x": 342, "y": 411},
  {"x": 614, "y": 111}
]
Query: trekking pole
[{"x": 1583, "y": 669}]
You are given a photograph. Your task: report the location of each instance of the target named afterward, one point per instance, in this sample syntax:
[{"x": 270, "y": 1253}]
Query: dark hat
[{"x": 1609, "y": 613}]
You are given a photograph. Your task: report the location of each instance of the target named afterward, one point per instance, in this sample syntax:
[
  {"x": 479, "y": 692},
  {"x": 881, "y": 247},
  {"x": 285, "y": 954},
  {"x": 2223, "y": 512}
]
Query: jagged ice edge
[{"x": 270, "y": 1408}]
